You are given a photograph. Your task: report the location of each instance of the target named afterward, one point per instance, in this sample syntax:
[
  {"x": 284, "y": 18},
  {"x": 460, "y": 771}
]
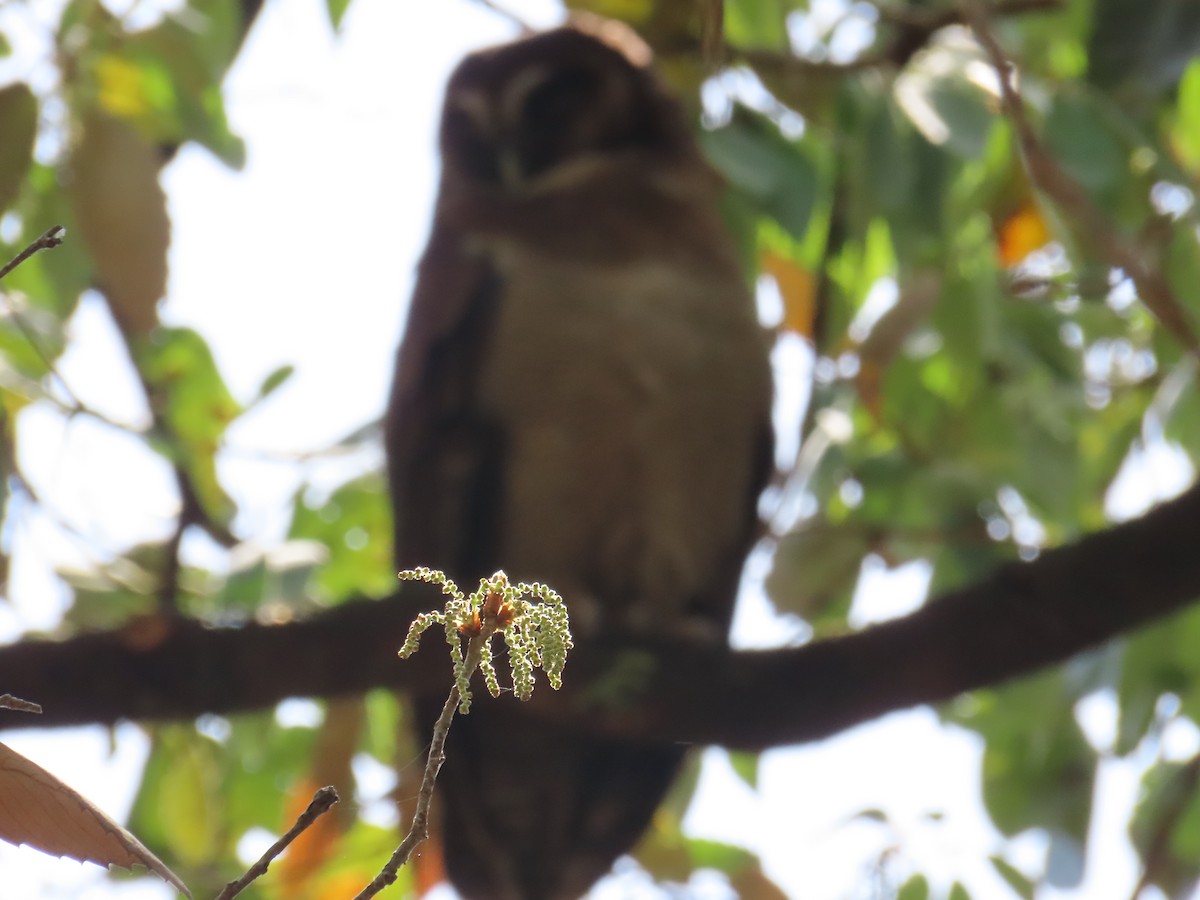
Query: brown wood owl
[{"x": 582, "y": 398}]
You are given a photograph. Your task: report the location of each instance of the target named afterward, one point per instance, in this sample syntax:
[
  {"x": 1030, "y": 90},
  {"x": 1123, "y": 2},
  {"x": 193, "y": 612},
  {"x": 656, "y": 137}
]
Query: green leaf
[
  {"x": 916, "y": 888},
  {"x": 775, "y": 174},
  {"x": 336, "y": 10},
  {"x": 760, "y": 24},
  {"x": 1142, "y": 53},
  {"x": 1078, "y": 133},
  {"x": 1185, "y": 131},
  {"x": 197, "y": 407},
  {"x": 18, "y": 124},
  {"x": 1022, "y": 886},
  {"x": 1038, "y": 768},
  {"x": 815, "y": 566},
  {"x": 745, "y": 766},
  {"x": 274, "y": 381},
  {"x": 1156, "y": 660},
  {"x": 355, "y": 524},
  {"x": 725, "y": 858}
]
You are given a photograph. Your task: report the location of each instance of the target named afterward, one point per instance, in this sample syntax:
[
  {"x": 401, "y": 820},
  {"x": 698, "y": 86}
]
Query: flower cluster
[{"x": 532, "y": 618}]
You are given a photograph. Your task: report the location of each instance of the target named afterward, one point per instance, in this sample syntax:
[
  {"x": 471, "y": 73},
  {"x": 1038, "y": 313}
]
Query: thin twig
[
  {"x": 8, "y": 701},
  {"x": 419, "y": 830},
  {"x": 321, "y": 803},
  {"x": 51, "y": 239},
  {"x": 1053, "y": 181}
]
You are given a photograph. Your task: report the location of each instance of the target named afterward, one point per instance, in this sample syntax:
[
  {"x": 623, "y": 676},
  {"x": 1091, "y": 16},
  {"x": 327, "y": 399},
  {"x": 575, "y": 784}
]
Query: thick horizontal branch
[{"x": 1021, "y": 618}]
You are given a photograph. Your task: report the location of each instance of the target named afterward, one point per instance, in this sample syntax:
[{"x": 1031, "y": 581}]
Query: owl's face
[{"x": 528, "y": 114}]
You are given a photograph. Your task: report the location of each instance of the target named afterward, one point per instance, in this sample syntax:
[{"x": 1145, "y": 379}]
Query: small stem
[
  {"x": 321, "y": 803},
  {"x": 52, "y": 238},
  {"x": 419, "y": 830}
]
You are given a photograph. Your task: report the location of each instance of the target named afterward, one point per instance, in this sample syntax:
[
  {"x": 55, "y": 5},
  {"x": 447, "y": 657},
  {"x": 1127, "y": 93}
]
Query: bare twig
[
  {"x": 51, "y": 239},
  {"x": 419, "y": 830},
  {"x": 8, "y": 701},
  {"x": 1053, "y": 181},
  {"x": 322, "y": 802}
]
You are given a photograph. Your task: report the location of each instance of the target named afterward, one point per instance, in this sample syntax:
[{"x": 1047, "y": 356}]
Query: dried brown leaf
[
  {"x": 121, "y": 211},
  {"x": 39, "y": 810}
]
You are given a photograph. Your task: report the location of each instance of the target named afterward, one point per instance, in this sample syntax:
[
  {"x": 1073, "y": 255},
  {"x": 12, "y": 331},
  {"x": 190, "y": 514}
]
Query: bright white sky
[{"x": 312, "y": 248}]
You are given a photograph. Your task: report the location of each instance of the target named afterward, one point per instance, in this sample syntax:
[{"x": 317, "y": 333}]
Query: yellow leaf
[
  {"x": 797, "y": 287},
  {"x": 122, "y": 90},
  {"x": 122, "y": 215},
  {"x": 39, "y": 810},
  {"x": 1022, "y": 233}
]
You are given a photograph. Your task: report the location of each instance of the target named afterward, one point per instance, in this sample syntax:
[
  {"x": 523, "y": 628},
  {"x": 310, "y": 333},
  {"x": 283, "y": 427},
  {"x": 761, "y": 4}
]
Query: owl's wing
[{"x": 444, "y": 456}]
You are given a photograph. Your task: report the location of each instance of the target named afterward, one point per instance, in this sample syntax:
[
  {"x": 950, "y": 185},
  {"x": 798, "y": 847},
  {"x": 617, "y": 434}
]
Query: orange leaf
[
  {"x": 797, "y": 287},
  {"x": 1022, "y": 233},
  {"x": 39, "y": 810}
]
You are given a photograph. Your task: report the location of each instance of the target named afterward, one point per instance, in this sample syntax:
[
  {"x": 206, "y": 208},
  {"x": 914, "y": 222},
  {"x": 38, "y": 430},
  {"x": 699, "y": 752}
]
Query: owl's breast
[{"x": 632, "y": 399}]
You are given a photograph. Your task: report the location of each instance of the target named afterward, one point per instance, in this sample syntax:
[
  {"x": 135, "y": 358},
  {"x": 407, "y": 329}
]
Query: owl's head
[{"x": 549, "y": 107}]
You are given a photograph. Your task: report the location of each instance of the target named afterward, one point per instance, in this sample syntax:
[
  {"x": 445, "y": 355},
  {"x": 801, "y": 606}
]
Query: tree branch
[{"x": 1024, "y": 616}]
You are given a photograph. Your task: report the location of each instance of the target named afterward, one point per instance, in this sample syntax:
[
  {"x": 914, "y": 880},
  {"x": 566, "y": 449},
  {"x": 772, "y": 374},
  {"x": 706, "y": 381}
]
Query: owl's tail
[{"x": 531, "y": 811}]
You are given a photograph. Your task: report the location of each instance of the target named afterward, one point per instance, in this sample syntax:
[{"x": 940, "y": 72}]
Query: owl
[{"x": 582, "y": 398}]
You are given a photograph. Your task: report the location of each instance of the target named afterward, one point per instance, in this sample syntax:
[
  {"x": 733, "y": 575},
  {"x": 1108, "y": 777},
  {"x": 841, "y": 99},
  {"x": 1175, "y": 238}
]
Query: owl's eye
[
  {"x": 473, "y": 151},
  {"x": 555, "y": 99}
]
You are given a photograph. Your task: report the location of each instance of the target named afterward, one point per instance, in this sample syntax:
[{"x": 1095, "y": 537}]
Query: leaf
[
  {"x": 192, "y": 397},
  {"x": 708, "y": 854},
  {"x": 1079, "y": 134},
  {"x": 122, "y": 215},
  {"x": 1144, "y": 53},
  {"x": 797, "y": 286},
  {"x": 1185, "y": 130},
  {"x": 814, "y": 566},
  {"x": 355, "y": 524},
  {"x": 39, "y": 810},
  {"x": 336, "y": 10},
  {"x": 1022, "y": 886},
  {"x": 18, "y": 124},
  {"x": 745, "y": 766},
  {"x": 1024, "y": 231},
  {"x": 274, "y": 381},
  {"x": 776, "y": 174},
  {"x": 916, "y": 888},
  {"x": 757, "y": 23},
  {"x": 1038, "y": 768}
]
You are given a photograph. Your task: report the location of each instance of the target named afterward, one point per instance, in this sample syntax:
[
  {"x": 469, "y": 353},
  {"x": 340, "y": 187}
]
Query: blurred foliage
[{"x": 980, "y": 375}]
